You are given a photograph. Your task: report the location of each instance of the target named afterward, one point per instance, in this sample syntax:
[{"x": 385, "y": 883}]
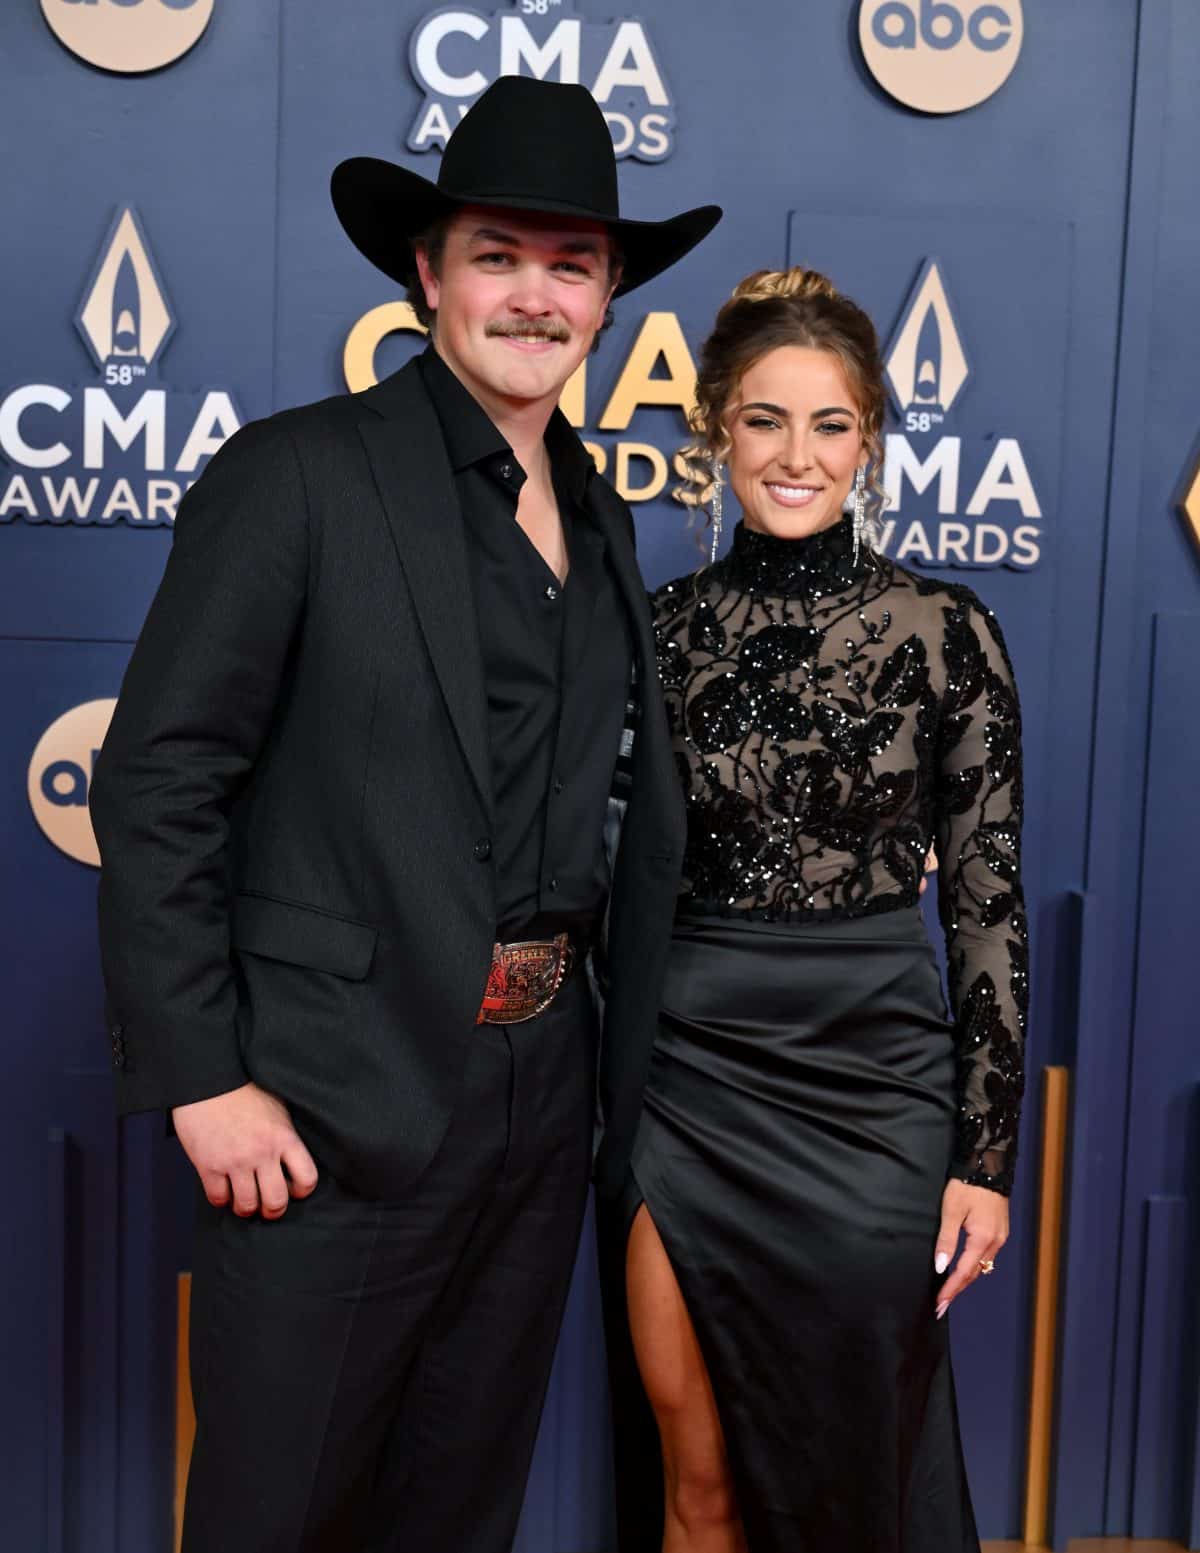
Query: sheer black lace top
[{"x": 832, "y": 719}]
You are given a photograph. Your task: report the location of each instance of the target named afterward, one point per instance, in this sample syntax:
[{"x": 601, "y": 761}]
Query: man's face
[{"x": 519, "y": 299}]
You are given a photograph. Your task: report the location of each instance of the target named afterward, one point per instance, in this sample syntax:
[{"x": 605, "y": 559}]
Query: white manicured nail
[
  {"x": 941, "y": 1262},
  {"x": 942, "y": 1309}
]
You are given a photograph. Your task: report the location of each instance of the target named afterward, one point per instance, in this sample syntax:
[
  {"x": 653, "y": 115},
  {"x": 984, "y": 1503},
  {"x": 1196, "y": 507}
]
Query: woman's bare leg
[{"x": 701, "y": 1510}]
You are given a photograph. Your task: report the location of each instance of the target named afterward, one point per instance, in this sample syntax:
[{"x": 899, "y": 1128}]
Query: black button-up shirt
[{"x": 556, "y": 663}]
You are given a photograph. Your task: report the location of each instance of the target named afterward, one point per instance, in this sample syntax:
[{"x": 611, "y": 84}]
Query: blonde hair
[{"x": 767, "y": 310}]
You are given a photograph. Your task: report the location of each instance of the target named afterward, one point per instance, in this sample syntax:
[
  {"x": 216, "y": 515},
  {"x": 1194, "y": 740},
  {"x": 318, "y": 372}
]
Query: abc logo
[
  {"x": 60, "y": 774},
  {"x": 128, "y": 36},
  {"x": 941, "y": 55}
]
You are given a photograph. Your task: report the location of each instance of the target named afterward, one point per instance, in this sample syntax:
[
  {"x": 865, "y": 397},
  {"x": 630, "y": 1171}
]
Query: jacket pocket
[{"x": 303, "y": 935}]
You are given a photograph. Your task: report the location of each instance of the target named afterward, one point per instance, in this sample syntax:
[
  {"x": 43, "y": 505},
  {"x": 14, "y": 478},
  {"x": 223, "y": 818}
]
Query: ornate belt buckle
[{"x": 524, "y": 979}]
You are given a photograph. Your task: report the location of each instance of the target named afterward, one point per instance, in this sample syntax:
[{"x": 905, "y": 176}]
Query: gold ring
[{"x": 987, "y": 1266}]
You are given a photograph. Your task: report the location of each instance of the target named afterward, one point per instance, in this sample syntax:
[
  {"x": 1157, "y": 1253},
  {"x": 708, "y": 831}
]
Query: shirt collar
[
  {"x": 820, "y": 563},
  {"x": 468, "y": 430},
  {"x": 570, "y": 460},
  {"x": 472, "y": 437}
]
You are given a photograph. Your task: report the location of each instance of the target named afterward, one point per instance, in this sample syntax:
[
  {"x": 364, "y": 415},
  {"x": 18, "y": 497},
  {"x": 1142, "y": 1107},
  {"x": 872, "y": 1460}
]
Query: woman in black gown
[{"x": 818, "y": 1131}]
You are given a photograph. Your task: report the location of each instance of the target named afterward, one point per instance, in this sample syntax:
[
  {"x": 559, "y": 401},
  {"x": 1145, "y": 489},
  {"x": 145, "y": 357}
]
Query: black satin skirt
[{"x": 793, "y": 1151}]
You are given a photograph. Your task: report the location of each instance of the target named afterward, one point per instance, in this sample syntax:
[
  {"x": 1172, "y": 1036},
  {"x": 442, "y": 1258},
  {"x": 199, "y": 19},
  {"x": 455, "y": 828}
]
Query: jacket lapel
[
  {"x": 656, "y": 793},
  {"x": 404, "y": 445},
  {"x": 612, "y": 516}
]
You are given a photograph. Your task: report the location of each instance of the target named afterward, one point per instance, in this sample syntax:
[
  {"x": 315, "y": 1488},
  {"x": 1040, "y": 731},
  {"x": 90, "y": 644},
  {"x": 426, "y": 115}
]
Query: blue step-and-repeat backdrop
[{"x": 1010, "y": 189}]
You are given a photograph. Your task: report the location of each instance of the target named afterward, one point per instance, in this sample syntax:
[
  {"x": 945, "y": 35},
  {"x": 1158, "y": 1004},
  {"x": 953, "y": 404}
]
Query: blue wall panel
[
  {"x": 60, "y": 1212},
  {"x": 1138, "y": 835},
  {"x": 194, "y": 149},
  {"x": 1160, "y": 1459},
  {"x": 1163, "y": 1168}
]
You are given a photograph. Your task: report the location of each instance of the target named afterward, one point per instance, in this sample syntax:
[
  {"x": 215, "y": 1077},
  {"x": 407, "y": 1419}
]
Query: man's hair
[{"x": 433, "y": 241}]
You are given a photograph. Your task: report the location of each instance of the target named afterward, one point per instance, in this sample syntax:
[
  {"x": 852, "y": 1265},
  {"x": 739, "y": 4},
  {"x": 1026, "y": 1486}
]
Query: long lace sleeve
[{"x": 978, "y": 826}]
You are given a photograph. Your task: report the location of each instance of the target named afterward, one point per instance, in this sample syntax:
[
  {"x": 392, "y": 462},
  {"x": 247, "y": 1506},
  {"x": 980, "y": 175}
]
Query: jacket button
[
  {"x": 483, "y": 850},
  {"x": 552, "y": 885}
]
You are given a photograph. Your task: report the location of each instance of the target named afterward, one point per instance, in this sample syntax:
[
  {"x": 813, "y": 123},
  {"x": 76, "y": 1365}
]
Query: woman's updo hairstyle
[{"x": 769, "y": 309}]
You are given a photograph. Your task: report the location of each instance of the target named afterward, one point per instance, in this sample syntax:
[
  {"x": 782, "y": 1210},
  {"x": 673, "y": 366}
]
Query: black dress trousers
[{"x": 370, "y": 1375}]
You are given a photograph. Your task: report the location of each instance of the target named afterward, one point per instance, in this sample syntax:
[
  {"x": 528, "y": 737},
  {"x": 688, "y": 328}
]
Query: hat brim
[{"x": 383, "y": 207}]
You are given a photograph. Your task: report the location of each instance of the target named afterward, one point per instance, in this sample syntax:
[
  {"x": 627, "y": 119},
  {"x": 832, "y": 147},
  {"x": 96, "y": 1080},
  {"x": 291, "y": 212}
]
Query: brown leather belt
[{"x": 524, "y": 979}]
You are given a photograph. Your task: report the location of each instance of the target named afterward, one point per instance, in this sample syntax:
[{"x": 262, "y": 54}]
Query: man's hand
[
  {"x": 241, "y": 1143},
  {"x": 983, "y": 1214}
]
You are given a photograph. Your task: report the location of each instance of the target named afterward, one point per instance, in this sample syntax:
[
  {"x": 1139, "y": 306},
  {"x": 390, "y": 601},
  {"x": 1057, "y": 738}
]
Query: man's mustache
[{"x": 539, "y": 328}]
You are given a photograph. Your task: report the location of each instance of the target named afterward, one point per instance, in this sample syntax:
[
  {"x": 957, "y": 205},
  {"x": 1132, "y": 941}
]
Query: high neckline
[{"x": 822, "y": 562}]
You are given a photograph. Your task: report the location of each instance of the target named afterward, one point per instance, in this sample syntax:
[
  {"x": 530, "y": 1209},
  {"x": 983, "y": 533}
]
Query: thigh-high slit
[{"x": 792, "y": 1155}]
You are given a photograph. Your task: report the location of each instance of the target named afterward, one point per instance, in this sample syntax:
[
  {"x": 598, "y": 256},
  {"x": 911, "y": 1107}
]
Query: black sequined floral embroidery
[{"x": 832, "y": 719}]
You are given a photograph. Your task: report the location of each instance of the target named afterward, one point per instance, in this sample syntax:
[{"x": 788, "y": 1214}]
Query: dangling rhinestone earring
[
  {"x": 717, "y": 504},
  {"x": 860, "y": 509}
]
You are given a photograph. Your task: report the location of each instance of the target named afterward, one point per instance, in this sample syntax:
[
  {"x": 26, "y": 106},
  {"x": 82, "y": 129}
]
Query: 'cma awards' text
[
  {"x": 456, "y": 53},
  {"x": 111, "y": 444}
]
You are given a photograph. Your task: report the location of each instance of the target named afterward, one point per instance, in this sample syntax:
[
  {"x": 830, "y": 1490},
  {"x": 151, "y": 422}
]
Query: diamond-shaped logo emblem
[
  {"x": 927, "y": 366},
  {"x": 1190, "y": 505},
  {"x": 125, "y": 316}
]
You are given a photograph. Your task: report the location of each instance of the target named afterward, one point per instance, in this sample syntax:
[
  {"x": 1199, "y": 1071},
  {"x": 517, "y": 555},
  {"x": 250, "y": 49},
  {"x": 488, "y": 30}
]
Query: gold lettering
[
  {"x": 627, "y": 451},
  {"x": 660, "y": 336},
  {"x": 358, "y": 358}
]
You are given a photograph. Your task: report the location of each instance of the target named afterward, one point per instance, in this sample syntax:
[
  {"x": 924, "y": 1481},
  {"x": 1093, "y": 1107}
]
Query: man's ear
[{"x": 430, "y": 284}]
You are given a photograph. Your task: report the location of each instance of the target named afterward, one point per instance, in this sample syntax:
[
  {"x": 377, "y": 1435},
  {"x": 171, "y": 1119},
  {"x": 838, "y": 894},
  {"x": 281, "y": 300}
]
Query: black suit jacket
[{"x": 293, "y": 803}]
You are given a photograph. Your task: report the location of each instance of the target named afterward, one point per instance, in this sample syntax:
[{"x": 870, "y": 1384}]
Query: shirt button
[
  {"x": 551, "y": 591},
  {"x": 483, "y": 850},
  {"x": 552, "y": 885},
  {"x": 559, "y": 784}
]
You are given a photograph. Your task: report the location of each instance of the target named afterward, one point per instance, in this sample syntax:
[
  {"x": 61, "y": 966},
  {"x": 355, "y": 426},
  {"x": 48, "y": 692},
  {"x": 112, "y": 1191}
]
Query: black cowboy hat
[{"x": 525, "y": 145}]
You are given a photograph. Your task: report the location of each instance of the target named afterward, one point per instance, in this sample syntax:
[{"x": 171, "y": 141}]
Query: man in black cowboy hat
[{"x": 352, "y": 811}]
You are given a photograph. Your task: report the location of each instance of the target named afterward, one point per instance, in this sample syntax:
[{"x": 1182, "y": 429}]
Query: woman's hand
[{"x": 983, "y": 1215}]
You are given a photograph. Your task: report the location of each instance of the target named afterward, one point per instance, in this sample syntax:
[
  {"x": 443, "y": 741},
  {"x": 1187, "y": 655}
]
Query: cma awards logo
[
  {"x": 941, "y": 56},
  {"x": 456, "y": 53},
  {"x": 128, "y": 36},
  {"x": 927, "y": 370},
  {"x": 60, "y": 775},
  {"x": 125, "y": 448}
]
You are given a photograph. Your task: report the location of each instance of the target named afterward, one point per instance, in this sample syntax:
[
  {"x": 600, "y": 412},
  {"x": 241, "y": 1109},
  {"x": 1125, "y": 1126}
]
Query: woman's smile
[{"x": 788, "y": 495}]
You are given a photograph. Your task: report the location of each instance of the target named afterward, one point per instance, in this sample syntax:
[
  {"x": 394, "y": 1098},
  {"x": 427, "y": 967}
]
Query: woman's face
[{"x": 796, "y": 442}]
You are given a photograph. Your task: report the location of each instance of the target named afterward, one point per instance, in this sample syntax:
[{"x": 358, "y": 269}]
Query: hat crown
[{"x": 525, "y": 139}]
